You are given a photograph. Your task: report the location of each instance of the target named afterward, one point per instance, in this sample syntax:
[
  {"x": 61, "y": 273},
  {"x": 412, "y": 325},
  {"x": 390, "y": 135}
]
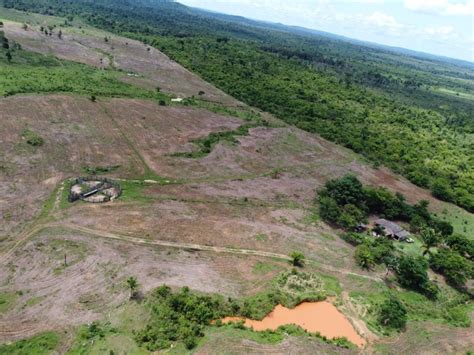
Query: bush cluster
[
  {"x": 179, "y": 317},
  {"x": 345, "y": 202},
  {"x": 182, "y": 316}
]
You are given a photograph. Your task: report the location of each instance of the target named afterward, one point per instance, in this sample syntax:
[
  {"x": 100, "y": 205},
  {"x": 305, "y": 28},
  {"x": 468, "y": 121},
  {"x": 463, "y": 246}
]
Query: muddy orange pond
[{"x": 322, "y": 317}]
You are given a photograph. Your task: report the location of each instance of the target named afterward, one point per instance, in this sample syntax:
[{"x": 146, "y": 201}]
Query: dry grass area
[
  {"x": 92, "y": 282},
  {"x": 257, "y": 194}
]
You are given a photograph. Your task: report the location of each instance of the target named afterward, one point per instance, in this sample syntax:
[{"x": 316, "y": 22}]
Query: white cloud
[
  {"x": 441, "y": 7},
  {"x": 442, "y": 30},
  {"x": 383, "y": 20}
]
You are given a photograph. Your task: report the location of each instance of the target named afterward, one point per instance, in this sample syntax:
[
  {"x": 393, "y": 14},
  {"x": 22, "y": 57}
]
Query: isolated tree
[
  {"x": 297, "y": 258},
  {"x": 60, "y": 34},
  {"x": 132, "y": 283},
  {"x": 393, "y": 314},
  {"x": 93, "y": 98},
  {"x": 24, "y": 26},
  {"x": 346, "y": 190},
  {"x": 9, "y": 56}
]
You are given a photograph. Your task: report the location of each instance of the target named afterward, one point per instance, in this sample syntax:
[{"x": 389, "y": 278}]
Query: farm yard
[{"x": 223, "y": 222}]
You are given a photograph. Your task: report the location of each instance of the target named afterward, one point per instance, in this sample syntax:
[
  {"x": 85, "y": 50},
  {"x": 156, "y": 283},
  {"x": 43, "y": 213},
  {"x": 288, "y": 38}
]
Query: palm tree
[
  {"x": 297, "y": 258},
  {"x": 132, "y": 285},
  {"x": 430, "y": 239}
]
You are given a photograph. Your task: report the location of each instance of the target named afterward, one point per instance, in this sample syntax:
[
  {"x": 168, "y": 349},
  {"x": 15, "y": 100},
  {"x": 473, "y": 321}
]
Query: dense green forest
[{"x": 412, "y": 113}]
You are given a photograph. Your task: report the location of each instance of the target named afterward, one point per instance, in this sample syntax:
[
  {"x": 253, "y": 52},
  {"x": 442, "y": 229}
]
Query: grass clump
[
  {"x": 32, "y": 138},
  {"x": 88, "y": 335},
  {"x": 206, "y": 145},
  {"x": 245, "y": 113},
  {"x": 44, "y": 343},
  {"x": 7, "y": 301},
  {"x": 99, "y": 170},
  {"x": 289, "y": 289}
]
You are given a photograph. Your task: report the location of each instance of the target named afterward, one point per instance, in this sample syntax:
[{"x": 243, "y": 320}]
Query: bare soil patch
[{"x": 92, "y": 284}]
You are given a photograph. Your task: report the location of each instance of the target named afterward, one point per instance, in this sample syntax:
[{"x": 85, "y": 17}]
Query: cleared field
[
  {"x": 77, "y": 134},
  {"x": 142, "y": 65},
  {"x": 256, "y": 194},
  {"x": 92, "y": 282},
  {"x": 247, "y": 198}
]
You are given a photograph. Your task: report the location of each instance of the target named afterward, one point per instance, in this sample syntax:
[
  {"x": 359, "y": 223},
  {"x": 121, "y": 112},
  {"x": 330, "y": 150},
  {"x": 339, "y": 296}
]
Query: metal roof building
[{"x": 392, "y": 229}]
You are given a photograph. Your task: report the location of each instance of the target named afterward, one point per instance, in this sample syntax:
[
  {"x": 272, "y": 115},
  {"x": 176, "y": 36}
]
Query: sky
[{"x": 442, "y": 27}]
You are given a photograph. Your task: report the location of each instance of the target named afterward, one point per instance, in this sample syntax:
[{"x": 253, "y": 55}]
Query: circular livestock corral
[{"x": 94, "y": 190}]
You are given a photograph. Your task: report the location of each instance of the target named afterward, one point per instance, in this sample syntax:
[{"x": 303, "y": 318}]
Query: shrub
[
  {"x": 441, "y": 227},
  {"x": 329, "y": 210},
  {"x": 412, "y": 273},
  {"x": 453, "y": 266},
  {"x": 364, "y": 256},
  {"x": 354, "y": 238},
  {"x": 393, "y": 314},
  {"x": 462, "y": 244},
  {"x": 443, "y": 191},
  {"x": 178, "y": 316}
]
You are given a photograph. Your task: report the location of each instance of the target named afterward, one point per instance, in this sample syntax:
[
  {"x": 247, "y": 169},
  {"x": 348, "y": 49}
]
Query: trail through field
[{"x": 189, "y": 246}]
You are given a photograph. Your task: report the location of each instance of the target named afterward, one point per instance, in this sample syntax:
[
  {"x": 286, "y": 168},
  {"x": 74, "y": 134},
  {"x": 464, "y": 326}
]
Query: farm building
[{"x": 392, "y": 229}]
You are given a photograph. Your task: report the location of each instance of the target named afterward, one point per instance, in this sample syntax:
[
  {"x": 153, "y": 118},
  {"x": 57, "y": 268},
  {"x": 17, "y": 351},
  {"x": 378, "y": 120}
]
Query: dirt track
[{"x": 195, "y": 247}]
